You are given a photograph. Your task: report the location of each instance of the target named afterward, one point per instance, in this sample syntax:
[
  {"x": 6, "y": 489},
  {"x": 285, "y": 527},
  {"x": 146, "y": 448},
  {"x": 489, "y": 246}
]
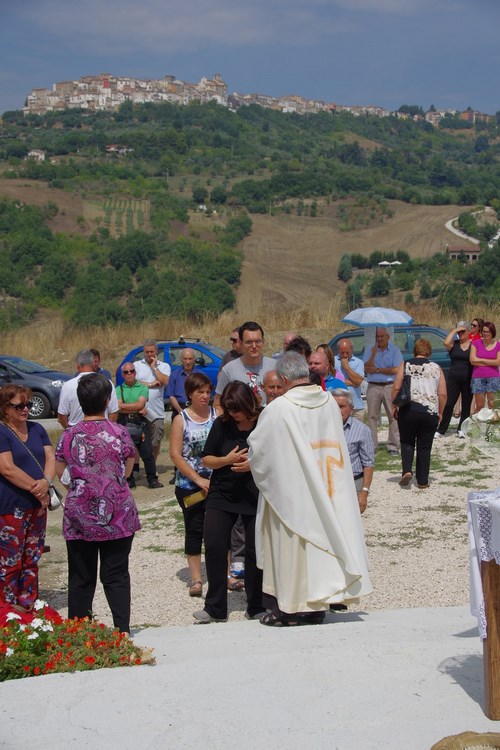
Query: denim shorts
[{"x": 485, "y": 385}]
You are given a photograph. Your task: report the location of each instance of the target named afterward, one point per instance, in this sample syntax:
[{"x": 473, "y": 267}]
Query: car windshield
[
  {"x": 214, "y": 349},
  {"x": 25, "y": 365}
]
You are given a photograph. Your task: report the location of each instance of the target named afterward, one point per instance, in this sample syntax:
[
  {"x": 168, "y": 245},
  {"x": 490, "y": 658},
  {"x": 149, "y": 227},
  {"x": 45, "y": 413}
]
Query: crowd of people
[{"x": 275, "y": 473}]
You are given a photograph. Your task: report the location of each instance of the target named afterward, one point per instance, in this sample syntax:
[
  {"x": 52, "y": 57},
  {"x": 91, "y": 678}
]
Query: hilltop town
[{"x": 108, "y": 92}]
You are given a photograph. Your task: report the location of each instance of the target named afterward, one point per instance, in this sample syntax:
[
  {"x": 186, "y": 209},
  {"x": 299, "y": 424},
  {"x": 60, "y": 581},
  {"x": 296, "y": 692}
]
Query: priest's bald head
[{"x": 292, "y": 368}]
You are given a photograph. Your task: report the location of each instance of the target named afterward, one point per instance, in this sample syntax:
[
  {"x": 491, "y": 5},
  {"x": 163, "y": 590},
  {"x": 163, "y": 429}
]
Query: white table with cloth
[{"x": 483, "y": 511}]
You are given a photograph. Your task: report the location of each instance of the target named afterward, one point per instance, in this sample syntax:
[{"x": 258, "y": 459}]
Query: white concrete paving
[{"x": 391, "y": 680}]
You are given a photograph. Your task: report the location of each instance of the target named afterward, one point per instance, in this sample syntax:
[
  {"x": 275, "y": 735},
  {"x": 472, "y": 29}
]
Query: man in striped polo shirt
[{"x": 359, "y": 444}]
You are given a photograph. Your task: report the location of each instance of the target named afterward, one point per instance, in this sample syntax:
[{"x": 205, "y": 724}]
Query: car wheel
[{"x": 41, "y": 406}]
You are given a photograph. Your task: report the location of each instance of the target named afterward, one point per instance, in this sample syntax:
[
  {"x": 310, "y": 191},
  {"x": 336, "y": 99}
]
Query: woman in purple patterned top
[{"x": 100, "y": 515}]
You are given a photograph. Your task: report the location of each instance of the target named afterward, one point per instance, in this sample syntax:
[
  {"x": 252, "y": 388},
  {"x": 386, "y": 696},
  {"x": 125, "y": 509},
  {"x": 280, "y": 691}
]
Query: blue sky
[{"x": 384, "y": 52}]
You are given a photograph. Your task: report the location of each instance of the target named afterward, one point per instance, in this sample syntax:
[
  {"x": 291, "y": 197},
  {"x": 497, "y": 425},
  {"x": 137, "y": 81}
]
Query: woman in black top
[
  {"x": 458, "y": 378},
  {"x": 232, "y": 493}
]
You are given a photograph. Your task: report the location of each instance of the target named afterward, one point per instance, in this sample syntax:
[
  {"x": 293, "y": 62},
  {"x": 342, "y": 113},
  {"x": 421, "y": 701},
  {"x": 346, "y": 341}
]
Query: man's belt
[
  {"x": 378, "y": 382},
  {"x": 359, "y": 476}
]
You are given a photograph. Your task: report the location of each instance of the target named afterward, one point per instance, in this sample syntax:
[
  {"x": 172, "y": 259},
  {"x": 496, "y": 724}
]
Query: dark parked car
[
  {"x": 46, "y": 384},
  {"x": 208, "y": 356},
  {"x": 404, "y": 337}
]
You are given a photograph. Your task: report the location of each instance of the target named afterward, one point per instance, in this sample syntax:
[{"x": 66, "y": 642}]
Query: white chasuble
[{"x": 309, "y": 537}]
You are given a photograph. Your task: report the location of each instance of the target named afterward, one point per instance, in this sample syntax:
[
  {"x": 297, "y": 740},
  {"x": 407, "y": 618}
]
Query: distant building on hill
[
  {"x": 36, "y": 154},
  {"x": 108, "y": 92},
  {"x": 469, "y": 254}
]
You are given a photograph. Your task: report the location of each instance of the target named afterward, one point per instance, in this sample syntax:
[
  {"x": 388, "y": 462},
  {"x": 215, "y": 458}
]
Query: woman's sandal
[
  {"x": 196, "y": 589},
  {"x": 235, "y": 584}
]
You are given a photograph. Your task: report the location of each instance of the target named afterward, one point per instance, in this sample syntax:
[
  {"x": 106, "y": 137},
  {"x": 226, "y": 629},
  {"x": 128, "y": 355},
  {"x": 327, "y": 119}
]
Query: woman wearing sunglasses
[
  {"x": 485, "y": 361},
  {"x": 27, "y": 467}
]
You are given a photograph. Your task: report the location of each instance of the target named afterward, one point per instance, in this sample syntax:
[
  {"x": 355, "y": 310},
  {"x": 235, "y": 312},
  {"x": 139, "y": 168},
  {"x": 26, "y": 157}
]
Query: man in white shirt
[
  {"x": 155, "y": 375},
  {"x": 69, "y": 411}
]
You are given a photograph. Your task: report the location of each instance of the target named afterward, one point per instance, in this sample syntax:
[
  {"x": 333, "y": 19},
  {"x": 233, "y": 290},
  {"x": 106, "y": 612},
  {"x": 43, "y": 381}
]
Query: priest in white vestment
[{"x": 309, "y": 538}]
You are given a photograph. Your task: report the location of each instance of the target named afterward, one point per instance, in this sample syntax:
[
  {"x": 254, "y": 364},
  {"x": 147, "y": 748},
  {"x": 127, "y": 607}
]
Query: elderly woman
[
  {"x": 100, "y": 515},
  {"x": 27, "y": 467},
  {"x": 232, "y": 492},
  {"x": 418, "y": 420},
  {"x": 458, "y": 378},
  {"x": 485, "y": 361},
  {"x": 188, "y": 435}
]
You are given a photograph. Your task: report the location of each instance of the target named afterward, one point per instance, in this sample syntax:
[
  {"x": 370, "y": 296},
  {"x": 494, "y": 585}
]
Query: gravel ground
[{"x": 416, "y": 539}]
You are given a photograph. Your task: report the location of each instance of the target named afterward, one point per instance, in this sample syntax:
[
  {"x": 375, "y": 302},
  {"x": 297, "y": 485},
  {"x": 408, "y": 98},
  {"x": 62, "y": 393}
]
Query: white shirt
[
  {"x": 144, "y": 373},
  {"x": 70, "y": 406}
]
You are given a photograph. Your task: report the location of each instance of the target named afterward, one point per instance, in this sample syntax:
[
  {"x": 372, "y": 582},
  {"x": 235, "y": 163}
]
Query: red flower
[
  {"x": 36, "y": 670},
  {"x": 50, "y": 665},
  {"x": 26, "y": 668},
  {"x": 89, "y": 659}
]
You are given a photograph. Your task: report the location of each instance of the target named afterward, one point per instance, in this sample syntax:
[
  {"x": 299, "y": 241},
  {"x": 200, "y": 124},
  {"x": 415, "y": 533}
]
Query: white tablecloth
[{"x": 483, "y": 512}]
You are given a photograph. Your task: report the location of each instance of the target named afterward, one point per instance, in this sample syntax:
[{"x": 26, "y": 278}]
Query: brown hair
[
  {"x": 195, "y": 381},
  {"x": 422, "y": 348},
  {"x": 238, "y": 396},
  {"x": 330, "y": 357},
  {"x": 7, "y": 393},
  {"x": 490, "y": 326}
]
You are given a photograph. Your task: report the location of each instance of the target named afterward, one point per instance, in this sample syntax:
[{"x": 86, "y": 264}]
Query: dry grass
[
  {"x": 293, "y": 260},
  {"x": 52, "y": 341}
]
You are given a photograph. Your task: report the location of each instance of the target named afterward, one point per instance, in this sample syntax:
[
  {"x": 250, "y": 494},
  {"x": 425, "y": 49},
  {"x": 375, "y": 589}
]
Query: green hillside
[{"x": 142, "y": 172}]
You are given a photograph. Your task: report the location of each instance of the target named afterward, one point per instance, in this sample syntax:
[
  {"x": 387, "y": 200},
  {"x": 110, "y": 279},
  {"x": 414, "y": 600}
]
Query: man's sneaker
[
  {"x": 461, "y": 434},
  {"x": 438, "y": 435},
  {"x": 202, "y": 617},
  {"x": 131, "y": 482},
  {"x": 155, "y": 485},
  {"x": 237, "y": 569}
]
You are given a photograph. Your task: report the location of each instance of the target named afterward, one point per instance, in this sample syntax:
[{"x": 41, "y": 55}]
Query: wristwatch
[{"x": 365, "y": 489}]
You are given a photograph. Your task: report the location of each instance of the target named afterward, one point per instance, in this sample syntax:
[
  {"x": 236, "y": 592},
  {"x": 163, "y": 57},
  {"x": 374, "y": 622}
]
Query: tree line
[
  {"x": 104, "y": 279},
  {"x": 262, "y": 157}
]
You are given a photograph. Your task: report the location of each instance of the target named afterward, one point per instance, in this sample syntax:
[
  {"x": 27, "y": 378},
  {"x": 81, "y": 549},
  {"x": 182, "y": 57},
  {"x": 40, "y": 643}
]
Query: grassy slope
[{"x": 293, "y": 260}]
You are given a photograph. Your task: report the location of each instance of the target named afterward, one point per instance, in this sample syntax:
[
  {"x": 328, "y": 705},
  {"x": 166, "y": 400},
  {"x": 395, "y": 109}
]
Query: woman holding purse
[
  {"x": 27, "y": 468},
  {"x": 418, "y": 420},
  {"x": 188, "y": 435}
]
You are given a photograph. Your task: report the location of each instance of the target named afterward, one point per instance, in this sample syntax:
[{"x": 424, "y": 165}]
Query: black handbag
[{"x": 403, "y": 396}]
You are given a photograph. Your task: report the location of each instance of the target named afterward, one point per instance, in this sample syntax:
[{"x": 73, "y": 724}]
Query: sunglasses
[
  {"x": 127, "y": 372},
  {"x": 22, "y": 405},
  {"x": 233, "y": 341},
  {"x": 474, "y": 325}
]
